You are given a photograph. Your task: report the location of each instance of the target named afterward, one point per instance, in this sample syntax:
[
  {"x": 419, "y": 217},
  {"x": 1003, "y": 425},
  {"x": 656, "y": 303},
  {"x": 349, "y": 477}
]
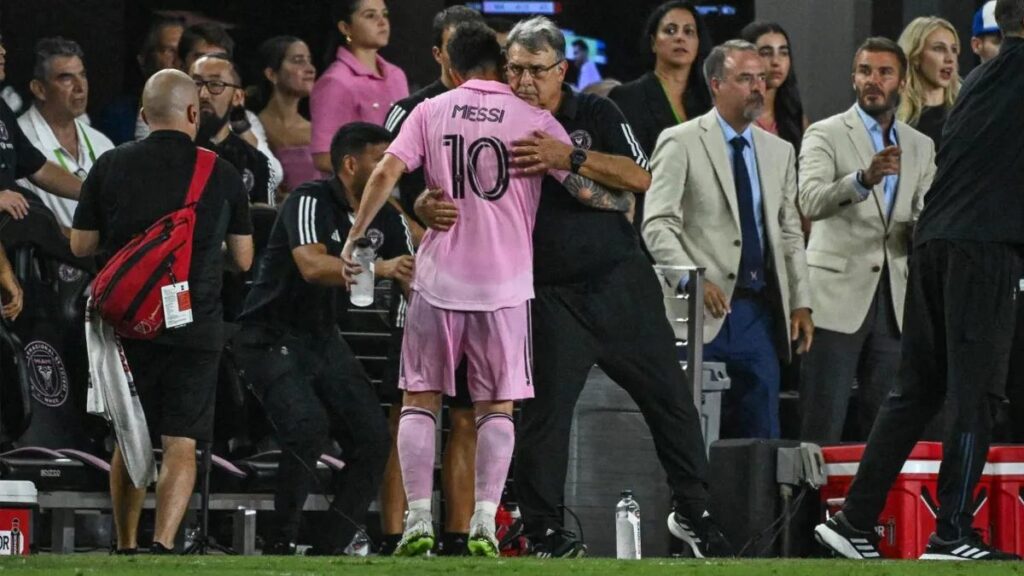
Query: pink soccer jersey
[{"x": 462, "y": 138}]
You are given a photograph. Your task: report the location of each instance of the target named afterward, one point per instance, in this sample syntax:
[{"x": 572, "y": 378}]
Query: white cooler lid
[{"x": 18, "y": 492}]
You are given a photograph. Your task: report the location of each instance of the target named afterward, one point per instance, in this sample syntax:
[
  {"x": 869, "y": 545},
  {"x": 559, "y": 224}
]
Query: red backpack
[{"x": 127, "y": 292}]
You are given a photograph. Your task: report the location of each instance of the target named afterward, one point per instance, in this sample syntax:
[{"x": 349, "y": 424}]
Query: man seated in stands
[
  {"x": 60, "y": 91},
  {"x": 293, "y": 356},
  {"x": 20, "y": 159}
]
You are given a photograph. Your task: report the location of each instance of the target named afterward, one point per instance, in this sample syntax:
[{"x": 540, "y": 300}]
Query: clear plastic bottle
[
  {"x": 361, "y": 292},
  {"x": 627, "y": 527}
]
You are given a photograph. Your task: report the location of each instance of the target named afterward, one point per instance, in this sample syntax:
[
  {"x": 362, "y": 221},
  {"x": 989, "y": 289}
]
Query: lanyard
[{"x": 60, "y": 154}]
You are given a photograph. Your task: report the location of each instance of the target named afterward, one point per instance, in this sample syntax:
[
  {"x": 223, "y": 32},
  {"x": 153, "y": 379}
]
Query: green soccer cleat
[{"x": 418, "y": 538}]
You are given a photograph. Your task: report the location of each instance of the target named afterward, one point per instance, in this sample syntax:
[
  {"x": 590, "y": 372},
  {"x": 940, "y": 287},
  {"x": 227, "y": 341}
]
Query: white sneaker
[
  {"x": 359, "y": 546},
  {"x": 418, "y": 538},
  {"x": 482, "y": 538}
]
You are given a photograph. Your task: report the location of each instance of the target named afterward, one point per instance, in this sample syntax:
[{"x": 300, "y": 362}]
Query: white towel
[{"x": 112, "y": 396}]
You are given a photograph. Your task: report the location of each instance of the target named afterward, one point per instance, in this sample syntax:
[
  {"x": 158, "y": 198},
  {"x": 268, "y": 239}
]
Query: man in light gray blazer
[
  {"x": 863, "y": 177},
  {"x": 723, "y": 196}
]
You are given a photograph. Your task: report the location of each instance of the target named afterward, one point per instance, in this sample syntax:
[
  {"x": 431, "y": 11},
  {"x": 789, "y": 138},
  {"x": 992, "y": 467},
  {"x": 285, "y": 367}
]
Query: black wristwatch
[{"x": 576, "y": 159}]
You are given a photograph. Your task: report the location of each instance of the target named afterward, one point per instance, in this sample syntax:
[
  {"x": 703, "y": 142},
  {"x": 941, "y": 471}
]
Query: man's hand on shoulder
[{"x": 541, "y": 153}]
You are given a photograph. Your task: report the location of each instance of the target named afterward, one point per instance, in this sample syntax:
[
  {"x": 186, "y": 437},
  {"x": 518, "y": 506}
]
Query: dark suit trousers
[
  {"x": 871, "y": 355},
  {"x": 957, "y": 338},
  {"x": 750, "y": 408}
]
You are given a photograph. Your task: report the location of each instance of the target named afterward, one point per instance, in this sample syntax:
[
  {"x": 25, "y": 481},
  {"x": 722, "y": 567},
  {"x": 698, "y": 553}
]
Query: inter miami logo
[
  {"x": 68, "y": 274},
  {"x": 50, "y": 387},
  {"x": 376, "y": 238},
  {"x": 581, "y": 139},
  {"x": 248, "y": 179}
]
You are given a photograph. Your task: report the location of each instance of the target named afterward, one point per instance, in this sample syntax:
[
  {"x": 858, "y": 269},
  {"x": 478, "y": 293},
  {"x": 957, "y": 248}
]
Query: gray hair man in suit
[
  {"x": 863, "y": 177},
  {"x": 723, "y": 196}
]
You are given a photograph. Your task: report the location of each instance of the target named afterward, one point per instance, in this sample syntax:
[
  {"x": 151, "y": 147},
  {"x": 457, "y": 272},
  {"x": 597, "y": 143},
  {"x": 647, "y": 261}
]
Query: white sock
[
  {"x": 485, "y": 511},
  {"x": 420, "y": 509}
]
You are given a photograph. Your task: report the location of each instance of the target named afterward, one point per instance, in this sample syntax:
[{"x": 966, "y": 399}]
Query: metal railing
[{"x": 694, "y": 320}]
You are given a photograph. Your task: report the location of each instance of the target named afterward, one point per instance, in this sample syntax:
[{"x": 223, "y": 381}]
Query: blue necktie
[{"x": 751, "y": 275}]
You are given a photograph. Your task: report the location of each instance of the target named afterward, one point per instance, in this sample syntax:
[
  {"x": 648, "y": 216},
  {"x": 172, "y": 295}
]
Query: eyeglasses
[
  {"x": 536, "y": 72},
  {"x": 215, "y": 87}
]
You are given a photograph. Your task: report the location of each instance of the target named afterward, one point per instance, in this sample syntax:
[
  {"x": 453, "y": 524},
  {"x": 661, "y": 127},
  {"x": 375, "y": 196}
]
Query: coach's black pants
[
  {"x": 958, "y": 333},
  {"x": 618, "y": 322},
  {"x": 313, "y": 389}
]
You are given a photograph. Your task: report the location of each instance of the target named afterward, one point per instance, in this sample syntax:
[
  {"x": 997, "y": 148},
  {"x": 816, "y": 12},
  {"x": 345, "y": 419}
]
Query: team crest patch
[
  {"x": 69, "y": 274},
  {"x": 376, "y": 238},
  {"x": 4, "y": 135},
  {"x": 581, "y": 139},
  {"x": 51, "y": 383},
  {"x": 248, "y": 179}
]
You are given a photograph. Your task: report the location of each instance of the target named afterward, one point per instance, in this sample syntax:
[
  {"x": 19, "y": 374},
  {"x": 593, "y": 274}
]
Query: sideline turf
[{"x": 102, "y": 565}]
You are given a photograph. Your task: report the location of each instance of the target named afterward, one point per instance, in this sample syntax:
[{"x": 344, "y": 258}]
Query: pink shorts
[{"x": 497, "y": 347}]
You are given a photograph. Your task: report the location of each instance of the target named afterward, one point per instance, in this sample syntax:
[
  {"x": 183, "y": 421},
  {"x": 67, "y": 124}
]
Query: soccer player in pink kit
[{"x": 472, "y": 284}]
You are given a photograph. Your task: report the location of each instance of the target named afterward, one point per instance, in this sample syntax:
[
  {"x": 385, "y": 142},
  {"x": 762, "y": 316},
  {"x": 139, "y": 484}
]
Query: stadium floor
[{"x": 82, "y": 565}]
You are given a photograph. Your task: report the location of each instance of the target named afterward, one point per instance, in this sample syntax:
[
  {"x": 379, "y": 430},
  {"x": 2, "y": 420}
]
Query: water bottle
[
  {"x": 362, "y": 291},
  {"x": 627, "y": 527}
]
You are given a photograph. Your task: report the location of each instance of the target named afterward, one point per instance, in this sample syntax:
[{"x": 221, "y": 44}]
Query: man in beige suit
[
  {"x": 723, "y": 196},
  {"x": 863, "y": 177}
]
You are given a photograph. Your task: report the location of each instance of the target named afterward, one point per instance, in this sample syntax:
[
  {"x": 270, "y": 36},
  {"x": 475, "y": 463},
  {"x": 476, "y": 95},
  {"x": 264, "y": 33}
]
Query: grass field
[{"x": 82, "y": 565}]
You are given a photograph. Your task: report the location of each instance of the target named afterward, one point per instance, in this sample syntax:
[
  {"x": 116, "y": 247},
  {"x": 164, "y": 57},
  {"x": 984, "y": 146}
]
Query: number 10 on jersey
[{"x": 466, "y": 166}]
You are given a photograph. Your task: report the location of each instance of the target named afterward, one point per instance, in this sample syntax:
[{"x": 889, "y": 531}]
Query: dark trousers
[
  {"x": 618, "y": 322},
  {"x": 957, "y": 337},
  {"x": 314, "y": 390},
  {"x": 750, "y": 408},
  {"x": 871, "y": 355}
]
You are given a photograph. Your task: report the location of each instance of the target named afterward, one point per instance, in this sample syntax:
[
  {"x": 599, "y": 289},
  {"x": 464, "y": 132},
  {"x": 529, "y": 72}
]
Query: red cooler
[
  {"x": 18, "y": 499},
  {"x": 1005, "y": 470},
  {"x": 908, "y": 518}
]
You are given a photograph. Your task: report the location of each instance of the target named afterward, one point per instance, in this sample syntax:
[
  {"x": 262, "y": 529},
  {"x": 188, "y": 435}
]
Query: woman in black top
[
  {"x": 933, "y": 80},
  {"x": 674, "y": 91}
]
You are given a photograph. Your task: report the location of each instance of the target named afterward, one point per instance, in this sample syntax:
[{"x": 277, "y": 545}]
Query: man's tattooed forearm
[{"x": 590, "y": 193}]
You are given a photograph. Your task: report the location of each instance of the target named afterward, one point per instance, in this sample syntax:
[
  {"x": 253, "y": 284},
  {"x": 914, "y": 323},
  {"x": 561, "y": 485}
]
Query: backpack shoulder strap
[{"x": 205, "y": 160}]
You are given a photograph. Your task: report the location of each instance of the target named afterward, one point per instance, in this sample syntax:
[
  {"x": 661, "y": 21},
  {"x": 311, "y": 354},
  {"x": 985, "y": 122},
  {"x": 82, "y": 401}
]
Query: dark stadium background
[{"x": 824, "y": 33}]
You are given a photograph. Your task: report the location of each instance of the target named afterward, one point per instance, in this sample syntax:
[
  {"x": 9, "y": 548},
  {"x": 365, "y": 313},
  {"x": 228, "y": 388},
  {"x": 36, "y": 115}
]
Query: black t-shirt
[
  {"x": 978, "y": 190},
  {"x": 931, "y": 122},
  {"x": 134, "y": 185},
  {"x": 18, "y": 157},
  {"x": 314, "y": 213},
  {"x": 251, "y": 164},
  {"x": 573, "y": 242},
  {"x": 413, "y": 183}
]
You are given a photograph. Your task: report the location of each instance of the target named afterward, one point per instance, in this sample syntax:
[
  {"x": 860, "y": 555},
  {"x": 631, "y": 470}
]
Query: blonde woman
[{"x": 933, "y": 51}]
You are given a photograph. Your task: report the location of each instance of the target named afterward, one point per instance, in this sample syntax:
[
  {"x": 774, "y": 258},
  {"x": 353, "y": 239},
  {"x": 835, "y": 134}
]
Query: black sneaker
[
  {"x": 844, "y": 540},
  {"x": 559, "y": 543},
  {"x": 454, "y": 544},
  {"x": 125, "y": 551},
  {"x": 158, "y": 549},
  {"x": 971, "y": 547},
  {"x": 388, "y": 543},
  {"x": 280, "y": 548},
  {"x": 704, "y": 537}
]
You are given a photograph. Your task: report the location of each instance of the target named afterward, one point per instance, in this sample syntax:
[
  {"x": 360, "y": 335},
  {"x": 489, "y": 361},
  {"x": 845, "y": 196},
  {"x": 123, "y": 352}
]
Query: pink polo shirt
[
  {"x": 349, "y": 92},
  {"x": 462, "y": 140}
]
